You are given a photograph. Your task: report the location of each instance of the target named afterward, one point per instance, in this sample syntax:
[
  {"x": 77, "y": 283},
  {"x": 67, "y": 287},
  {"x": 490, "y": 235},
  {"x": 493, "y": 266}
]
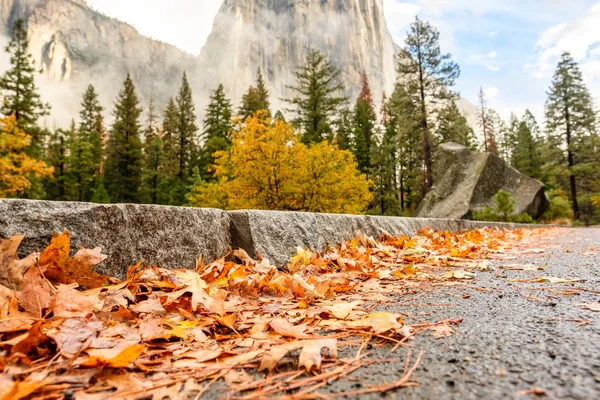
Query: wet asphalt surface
[{"x": 506, "y": 344}]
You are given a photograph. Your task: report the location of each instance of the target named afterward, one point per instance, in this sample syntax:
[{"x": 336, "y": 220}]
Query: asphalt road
[{"x": 506, "y": 344}]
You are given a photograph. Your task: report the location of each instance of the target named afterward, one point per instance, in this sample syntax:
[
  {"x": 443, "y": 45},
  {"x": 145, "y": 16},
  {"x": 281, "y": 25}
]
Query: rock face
[
  {"x": 75, "y": 46},
  {"x": 466, "y": 181},
  {"x": 276, "y": 235},
  {"x": 277, "y": 35},
  {"x": 175, "y": 237},
  {"x": 171, "y": 236}
]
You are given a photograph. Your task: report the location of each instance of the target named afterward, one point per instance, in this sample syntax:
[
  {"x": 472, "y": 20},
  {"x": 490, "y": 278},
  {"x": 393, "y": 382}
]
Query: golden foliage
[
  {"x": 269, "y": 168},
  {"x": 16, "y": 167}
]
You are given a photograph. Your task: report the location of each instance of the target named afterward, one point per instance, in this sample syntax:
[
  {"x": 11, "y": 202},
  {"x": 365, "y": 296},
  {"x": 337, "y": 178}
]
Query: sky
[{"x": 509, "y": 48}]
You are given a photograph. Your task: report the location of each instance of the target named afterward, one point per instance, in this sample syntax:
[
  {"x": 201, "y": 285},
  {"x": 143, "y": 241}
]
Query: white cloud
[
  {"x": 399, "y": 16},
  {"x": 579, "y": 37},
  {"x": 493, "y": 34},
  {"x": 184, "y": 23},
  {"x": 491, "y": 93},
  {"x": 485, "y": 60}
]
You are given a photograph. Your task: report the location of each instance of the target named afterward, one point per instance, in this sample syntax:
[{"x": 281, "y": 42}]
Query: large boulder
[
  {"x": 174, "y": 237},
  {"x": 466, "y": 181}
]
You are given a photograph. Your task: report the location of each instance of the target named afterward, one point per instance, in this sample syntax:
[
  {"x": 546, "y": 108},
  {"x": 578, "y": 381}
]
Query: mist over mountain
[{"x": 75, "y": 45}]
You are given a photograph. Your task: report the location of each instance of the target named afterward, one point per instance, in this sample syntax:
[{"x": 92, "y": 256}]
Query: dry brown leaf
[
  {"x": 285, "y": 328},
  {"x": 73, "y": 336},
  {"x": 72, "y": 303},
  {"x": 78, "y": 269},
  {"x": 121, "y": 360},
  {"x": 342, "y": 310},
  {"x": 35, "y": 295},
  {"x": 310, "y": 353},
  {"x": 442, "y": 331},
  {"x": 11, "y": 268},
  {"x": 459, "y": 275}
]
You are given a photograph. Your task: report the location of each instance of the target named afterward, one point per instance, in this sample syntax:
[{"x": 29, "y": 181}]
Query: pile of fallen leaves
[{"x": 67, "y": 332}]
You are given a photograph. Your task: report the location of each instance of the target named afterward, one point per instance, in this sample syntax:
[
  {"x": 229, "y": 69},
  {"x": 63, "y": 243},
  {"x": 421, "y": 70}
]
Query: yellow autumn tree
[
  {"x": 269, "y": 168},
  {"x": 16, "y": 168}
]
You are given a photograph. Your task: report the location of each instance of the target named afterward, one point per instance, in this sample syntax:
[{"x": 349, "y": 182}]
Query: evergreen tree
[
  {"x": 508, "y": 145},
  {"x": 17, "y": 88},
  {"x": 570, "y": 119},
  {"x": 58, "y": 158},
  {"x": 124, "y": 163},
  {"x": 87, "y": 148},
  {"x": 186, "y": 128},
  {"x": 429, "y": 74},
  {"x": 186, "y": 149},
  {"x": 405, "y": 126},
  {"x": 279, "y": 116},
  {"x": 486, "y": 123},
  {"x": 218, "y": 127},
  {"x": 317, "y": 100},
  {"x": 526, "y": 157},
  {"x": 365, "y": 120},
  {"x": 344, "y": 130},
  {"x": 170, "y": 162},
  {"x": 453, "y": 127},
  {"x": 256, "y": 99},
  {"x": 153, "y": 154}
]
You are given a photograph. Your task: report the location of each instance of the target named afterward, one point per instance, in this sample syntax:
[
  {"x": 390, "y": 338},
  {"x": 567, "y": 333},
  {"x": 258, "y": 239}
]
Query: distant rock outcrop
[
  {"x": 278, "y": 35},
  {"x": 466, "y": 181}
]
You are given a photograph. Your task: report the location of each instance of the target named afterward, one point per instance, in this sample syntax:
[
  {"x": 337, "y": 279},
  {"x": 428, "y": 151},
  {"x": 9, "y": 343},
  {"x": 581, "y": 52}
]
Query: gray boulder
[
  {"x": 466, "y": 181},
  {"x": 173, "y": 237}
]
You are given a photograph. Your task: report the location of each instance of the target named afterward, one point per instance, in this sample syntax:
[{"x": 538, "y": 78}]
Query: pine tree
[
  {"x": 344, "y": 130},
  {"x": 58, "y": 158},
  {"x": 170, "y": 162},
  {"x": 429, "y": 74},
  {"x": 453, "y": 127},
  {"x": 526, "y": 157},
  {"x": 508, "y": 146},
  {"x": 124, "y": 163},
  {"x": 153, "y": 157},
  {"x": 218, "y": 127},
  {"x": 404, "y": 125},
  {"x": 318, "y": 99},
  {"x": 186, "y": 150},
  {"x": 365, "y": 120},
  {"x": 18, "y": 90},
  {"x": 87, "y": 148},
  {"x": 570, "y": 118},
  {"x": 486, "y": 123},
  {"x": 256, "y": 98}
]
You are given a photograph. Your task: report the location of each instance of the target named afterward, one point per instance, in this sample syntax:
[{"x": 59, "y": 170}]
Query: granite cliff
[{"x": 75, "y": 45}]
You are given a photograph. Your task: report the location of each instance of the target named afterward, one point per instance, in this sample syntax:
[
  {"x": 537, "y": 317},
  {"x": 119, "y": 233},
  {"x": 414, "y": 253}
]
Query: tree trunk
[{"x": 571, "y": 162}]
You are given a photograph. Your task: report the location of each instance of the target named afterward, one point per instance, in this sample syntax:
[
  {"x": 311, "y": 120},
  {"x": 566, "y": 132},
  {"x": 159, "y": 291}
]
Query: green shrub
[
  {"x": 522, "y": 219},
  {"x": 486, "y": 214},
  {"x": 560, "y": 206},
  {"x": 505, "y": 204}
]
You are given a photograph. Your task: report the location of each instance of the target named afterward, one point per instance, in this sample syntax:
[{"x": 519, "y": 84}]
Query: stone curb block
[{"x": 174, "y": 237}]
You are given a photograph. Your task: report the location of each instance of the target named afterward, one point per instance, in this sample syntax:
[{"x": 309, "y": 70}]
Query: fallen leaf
[
  {"x": 122, "y": 360},
  {"x": 72, "y": 303},
  {"x": 442, "y": 331},
  {"x": 285, "y": 328},
  {"x": 35, "y": 295},
  {"x": 458, "y": 275},
  {"x": 11, "y": 268},
  {"x": 342, "y": 310},
  {"x": 523, "y": 267},
  {"x": 310, "y": 353},
  {"x": 78, "y": 269},
  {"x": 551, "y": 279}
]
